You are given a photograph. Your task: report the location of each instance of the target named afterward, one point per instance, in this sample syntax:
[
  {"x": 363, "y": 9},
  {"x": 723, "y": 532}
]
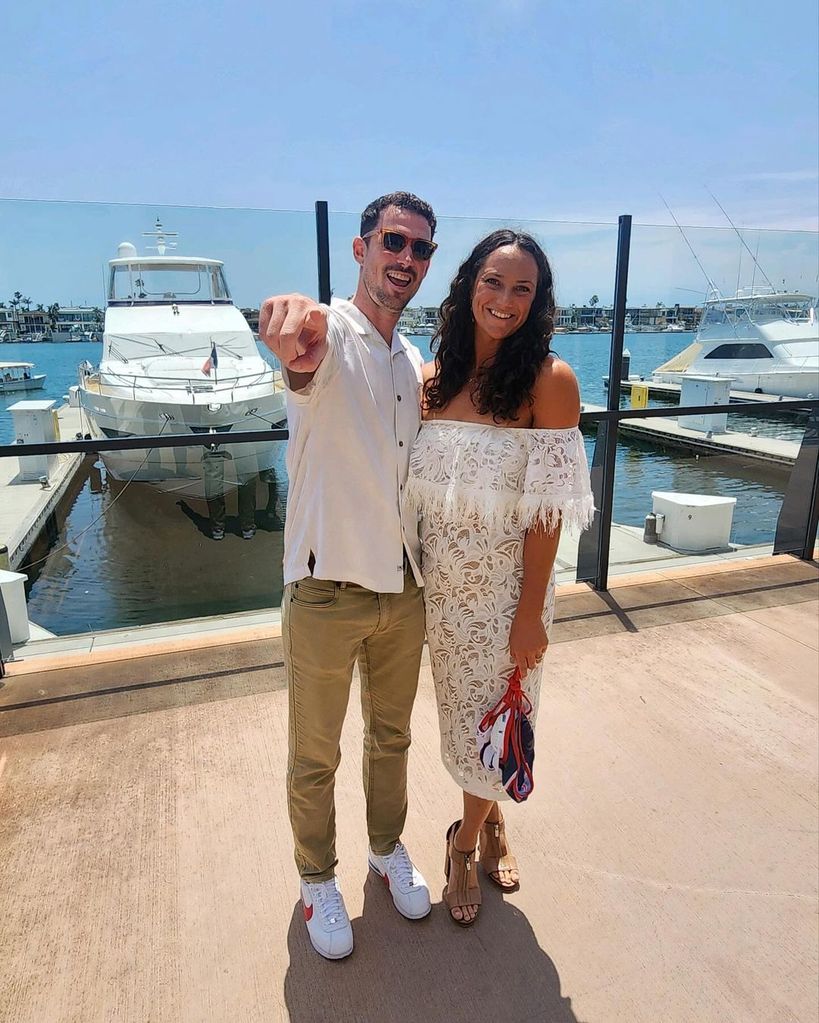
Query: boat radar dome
[{"x": 125, "y": 250}]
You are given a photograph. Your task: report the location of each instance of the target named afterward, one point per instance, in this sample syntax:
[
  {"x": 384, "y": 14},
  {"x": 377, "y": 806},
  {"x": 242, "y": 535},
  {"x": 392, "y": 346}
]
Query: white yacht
[
  {"x": 179, "y": 357},
  {"x": 766, "y": 341}
]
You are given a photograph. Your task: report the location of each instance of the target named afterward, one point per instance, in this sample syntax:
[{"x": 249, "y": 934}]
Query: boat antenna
[
  {"x": 162, "y": 238},
  {"x": 753, "y": 275},
  {"x": 712, "y": 287},
  {"x": 739, "y": 235}
]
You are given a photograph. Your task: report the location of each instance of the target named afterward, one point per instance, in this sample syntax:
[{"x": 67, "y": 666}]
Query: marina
[{"x": 112, "y": 556}]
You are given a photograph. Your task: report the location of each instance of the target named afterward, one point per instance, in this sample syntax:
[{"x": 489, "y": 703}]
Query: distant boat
[
  {"x": 675, "y": 328},
  {"x": 78, "y": 334},
  {"x": 765, "y": 341},
  {"x": 18, "y": 376},
  {"x": 180, "y": 358}
]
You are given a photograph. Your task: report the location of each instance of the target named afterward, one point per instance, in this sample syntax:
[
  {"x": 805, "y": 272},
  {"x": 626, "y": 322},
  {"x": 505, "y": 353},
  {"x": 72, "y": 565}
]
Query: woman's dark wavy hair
[{"x": 504, "y": 385}]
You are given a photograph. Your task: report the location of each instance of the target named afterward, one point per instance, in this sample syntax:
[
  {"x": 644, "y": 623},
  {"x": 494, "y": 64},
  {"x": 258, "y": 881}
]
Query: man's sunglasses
[{"x": 395, "y": 242}]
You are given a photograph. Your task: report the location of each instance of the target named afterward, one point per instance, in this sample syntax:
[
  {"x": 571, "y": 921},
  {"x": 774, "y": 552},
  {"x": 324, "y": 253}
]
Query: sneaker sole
[
  {"x": 406, "y": 916},
  {"x": 328, "y": 955}
]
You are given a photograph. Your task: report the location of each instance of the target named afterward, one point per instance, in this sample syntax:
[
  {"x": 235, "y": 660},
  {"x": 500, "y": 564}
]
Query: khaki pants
[{"x": 326, "y": 627}]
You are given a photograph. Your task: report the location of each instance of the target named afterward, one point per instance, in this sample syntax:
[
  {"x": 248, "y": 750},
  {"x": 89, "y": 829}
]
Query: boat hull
[
  {"x": 32, "y": 384},
  {"x": 197, "y": 471},
  {"x": 798, "y": 384}
]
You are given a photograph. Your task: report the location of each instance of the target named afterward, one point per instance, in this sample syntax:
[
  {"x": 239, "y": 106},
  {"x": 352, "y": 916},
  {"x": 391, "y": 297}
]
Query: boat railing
[{"x": 225, "y": 388}]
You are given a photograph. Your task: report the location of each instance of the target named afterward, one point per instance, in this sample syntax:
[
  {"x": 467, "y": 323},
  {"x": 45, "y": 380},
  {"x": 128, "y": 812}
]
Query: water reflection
[{"x": 124, "y": 555}]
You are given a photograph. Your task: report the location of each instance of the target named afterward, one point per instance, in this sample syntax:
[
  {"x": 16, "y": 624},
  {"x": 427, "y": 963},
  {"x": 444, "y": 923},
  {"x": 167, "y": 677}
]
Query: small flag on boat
[{"x": 212, "y": 362}]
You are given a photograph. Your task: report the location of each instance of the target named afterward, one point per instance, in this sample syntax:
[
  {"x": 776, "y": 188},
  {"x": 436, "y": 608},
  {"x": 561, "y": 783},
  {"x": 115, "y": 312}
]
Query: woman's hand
[{"x": 527, "y": 640}]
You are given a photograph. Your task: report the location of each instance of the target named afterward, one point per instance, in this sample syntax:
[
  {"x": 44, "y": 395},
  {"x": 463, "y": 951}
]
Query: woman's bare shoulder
[
  {"x": 556, "y": 404},
  {"x": 428, "y": 371}
]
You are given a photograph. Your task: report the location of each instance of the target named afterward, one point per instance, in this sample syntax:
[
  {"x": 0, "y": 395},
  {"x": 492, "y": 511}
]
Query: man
[{"x": 351, "y": 555}]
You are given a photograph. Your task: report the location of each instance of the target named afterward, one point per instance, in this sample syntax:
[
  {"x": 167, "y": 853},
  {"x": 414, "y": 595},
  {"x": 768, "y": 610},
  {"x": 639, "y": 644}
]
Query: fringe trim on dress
[{"x": 513, "y": 510}]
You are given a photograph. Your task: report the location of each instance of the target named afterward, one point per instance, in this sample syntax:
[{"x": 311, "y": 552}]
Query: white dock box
[
  {"x": 35, "y": 422},
  {"x": 13, "y": 595},
  {"x": 694, "y": 523},
  {"x": 705, "y": 390}
]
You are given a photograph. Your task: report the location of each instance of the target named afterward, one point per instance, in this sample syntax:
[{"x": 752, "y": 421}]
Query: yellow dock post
[{"x": 639, "y": 395}]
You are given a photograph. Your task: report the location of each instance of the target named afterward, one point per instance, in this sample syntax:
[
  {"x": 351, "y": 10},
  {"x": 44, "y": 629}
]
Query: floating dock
[
  {"x": 671, "y": 392},
  {"x": 25, "y": 505},
  {"x": 668, "y": 433}
]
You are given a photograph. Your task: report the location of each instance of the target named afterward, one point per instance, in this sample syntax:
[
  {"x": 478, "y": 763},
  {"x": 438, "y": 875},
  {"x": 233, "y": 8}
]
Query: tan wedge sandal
[
  {"x": 464, "y": 890},
  {"x": 495, "y": 855}
]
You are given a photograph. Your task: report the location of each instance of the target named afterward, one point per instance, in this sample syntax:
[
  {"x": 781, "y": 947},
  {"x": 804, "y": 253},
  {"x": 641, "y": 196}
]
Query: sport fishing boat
[
  {"x": 19, "y": 376},
  {"x": 765, "y": 341},
  {"x": 179, "y": 357}
]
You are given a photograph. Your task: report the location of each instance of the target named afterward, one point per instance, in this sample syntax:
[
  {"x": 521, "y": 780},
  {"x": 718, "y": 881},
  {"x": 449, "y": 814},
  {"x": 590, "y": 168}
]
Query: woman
[{"x": 498, "y": 465}]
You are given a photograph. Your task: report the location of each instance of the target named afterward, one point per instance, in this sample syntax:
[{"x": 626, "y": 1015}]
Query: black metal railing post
[
  {"x": 323, "y": 251},
  {"x": 799, "y": 515},
  {"x": 595, "y": 543}
]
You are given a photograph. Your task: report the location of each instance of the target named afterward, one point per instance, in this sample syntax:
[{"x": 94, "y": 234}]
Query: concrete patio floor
[{"x": 669, "y": 854}]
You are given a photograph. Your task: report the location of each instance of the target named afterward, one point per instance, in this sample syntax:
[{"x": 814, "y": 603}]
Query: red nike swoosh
[{"x": 308, "y": 912}]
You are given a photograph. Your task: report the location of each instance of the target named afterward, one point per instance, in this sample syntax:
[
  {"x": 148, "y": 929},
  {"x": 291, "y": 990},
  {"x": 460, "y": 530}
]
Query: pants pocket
[{"x": 311, "y": 592}]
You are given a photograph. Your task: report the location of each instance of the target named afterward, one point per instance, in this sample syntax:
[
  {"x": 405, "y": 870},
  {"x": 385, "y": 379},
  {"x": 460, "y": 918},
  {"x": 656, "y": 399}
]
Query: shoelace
[
  {"x": 331, "y": 906},
  {"x": 400, "y": 866}
]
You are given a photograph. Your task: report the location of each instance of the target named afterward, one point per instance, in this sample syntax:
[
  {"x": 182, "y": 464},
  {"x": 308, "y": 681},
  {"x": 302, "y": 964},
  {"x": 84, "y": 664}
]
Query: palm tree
[
  {"x": 593, "y": 301},
  {"x": 14, "y": 305},
  {"x": 53, "y": 313}
]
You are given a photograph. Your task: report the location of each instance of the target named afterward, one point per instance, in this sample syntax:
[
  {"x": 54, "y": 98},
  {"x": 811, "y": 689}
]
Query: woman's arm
[{"x": 556, "y": 407}]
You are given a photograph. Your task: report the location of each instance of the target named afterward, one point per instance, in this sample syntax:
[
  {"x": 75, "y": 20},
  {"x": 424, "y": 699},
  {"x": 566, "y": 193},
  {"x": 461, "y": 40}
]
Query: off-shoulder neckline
[{"x": 494, "y": 426}]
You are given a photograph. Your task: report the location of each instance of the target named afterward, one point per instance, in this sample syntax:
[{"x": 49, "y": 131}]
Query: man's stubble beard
[{"x": 393, "y": 303}]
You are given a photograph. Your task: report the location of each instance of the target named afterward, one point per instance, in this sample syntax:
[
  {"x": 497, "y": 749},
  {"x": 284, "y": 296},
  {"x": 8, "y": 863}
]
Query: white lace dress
[{"x": 477, "y": 489}]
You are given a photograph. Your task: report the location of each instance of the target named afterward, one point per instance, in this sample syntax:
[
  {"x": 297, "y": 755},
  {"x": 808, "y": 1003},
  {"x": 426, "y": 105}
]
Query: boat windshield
[
  {"x": 15, "y": 371},
  {"x": 159, "y": 283},
  {"x": 793, "y": 310}
]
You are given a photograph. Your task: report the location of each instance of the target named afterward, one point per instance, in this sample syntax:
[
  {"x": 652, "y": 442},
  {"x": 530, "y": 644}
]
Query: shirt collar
[{"x": 363, "y": 326}]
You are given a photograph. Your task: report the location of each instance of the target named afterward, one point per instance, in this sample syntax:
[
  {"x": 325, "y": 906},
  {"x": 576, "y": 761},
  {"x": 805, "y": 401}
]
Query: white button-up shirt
[{"x": 351, "y": 430}]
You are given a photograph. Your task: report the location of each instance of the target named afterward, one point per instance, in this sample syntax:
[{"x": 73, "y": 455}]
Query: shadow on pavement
[{"x": 428, "y": 970}]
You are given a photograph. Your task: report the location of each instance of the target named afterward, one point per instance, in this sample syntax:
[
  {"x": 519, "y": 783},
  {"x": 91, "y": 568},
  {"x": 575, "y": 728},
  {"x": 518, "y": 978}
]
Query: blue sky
[{"x": 510, "y": 109}]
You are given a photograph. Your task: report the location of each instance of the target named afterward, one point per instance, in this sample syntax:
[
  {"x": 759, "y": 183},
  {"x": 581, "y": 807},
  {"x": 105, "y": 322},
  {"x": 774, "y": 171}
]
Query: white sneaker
[
  {"x": 327, "y": 922},
  {"x": 408, "y": 888}
]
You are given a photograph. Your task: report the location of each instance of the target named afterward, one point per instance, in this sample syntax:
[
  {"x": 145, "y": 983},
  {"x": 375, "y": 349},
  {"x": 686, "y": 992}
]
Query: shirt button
[
  {"x": 398, "y": 396},
  {"x": 400, "y": 443}
]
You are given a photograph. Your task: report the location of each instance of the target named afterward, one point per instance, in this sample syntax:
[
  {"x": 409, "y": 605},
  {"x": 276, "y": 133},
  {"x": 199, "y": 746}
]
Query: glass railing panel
[
  {"x": 750, "y": 291},
  {"x": 582, "y": 257},
  {"x": 129, "y": 540},
  {"x": 718, "y": 495},
  {"x": 108, "y": 553},
  {"x": 669, "y": 274}
]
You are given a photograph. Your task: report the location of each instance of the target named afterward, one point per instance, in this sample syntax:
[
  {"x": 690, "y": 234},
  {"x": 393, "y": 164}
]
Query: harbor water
[{"x": 118, "y": 555}]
